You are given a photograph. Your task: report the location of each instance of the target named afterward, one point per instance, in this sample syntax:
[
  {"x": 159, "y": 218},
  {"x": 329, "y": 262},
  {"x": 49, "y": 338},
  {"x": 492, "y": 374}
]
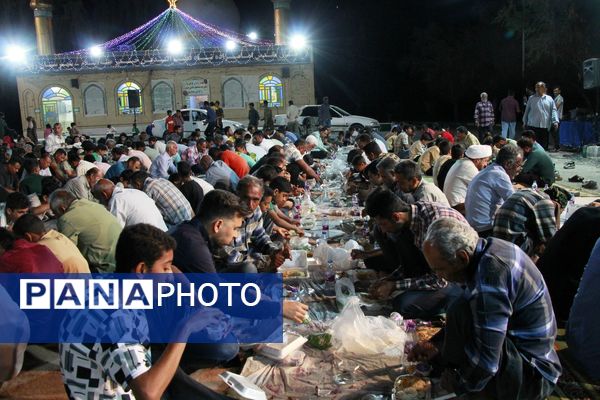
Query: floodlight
[
  {"x": 230, "y": 45},
  {"x": 298, "y": 42},
  {"x": 253, "y": 35},
  {"x": 16, "y": 54},
  {"x": 96, "y": 51},
  {"x": 175, "y": 46}
]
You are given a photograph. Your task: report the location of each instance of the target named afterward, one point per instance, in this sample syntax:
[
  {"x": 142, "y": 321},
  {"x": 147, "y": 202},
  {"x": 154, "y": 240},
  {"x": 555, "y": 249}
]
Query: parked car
[
  {"x": 194, "y": 118},
  {"x": 341, "y": 120}
]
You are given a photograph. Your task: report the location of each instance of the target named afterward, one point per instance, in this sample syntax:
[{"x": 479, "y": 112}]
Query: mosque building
[{"x": 173, "y": 61}]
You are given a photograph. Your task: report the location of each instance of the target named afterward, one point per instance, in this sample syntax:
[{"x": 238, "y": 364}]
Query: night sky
[{"x": 410, "y": 60}]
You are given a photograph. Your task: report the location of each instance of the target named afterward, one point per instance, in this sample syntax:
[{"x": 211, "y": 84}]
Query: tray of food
[
  {"x": 294, "y": 273},
  {"x": 411, "y": 387}
]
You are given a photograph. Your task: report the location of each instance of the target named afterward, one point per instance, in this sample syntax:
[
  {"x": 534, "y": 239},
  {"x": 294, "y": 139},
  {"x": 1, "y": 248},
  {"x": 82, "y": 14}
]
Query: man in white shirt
[
  {"x": 143, "y": 157},
  {"x": 55, "y": 140},
  {"x": 130, "y": 206},
  {"x": 292, "y": 117},
  {"x": 462, "y": 172},
  {"x": 79, "y": 166},
  {"x": 206, "y": 187}
]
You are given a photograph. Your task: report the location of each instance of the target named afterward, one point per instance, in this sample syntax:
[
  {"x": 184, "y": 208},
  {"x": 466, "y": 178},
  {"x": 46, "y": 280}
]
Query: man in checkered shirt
[{"x": 484, "y": 116}]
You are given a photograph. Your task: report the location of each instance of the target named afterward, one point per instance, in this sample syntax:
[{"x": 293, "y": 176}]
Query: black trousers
[
  {"x": 541, "y": 136},
  {"x": 515, "y": 379}
]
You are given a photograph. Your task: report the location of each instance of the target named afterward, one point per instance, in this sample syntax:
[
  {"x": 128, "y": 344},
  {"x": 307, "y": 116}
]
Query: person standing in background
[
  {"x": 267, "y": 116},
  {"x": 325, "y": 113},
  {"x": 484, "y": 116},
  {"x": 253, "y": 116},
  {"x": 509, "y": 108},
  {"x": 559, "y": 102},
  {"x": 292, "y": 117},
  {"x": 32, "y": 129},
  {"x": 540, "y": 114}
]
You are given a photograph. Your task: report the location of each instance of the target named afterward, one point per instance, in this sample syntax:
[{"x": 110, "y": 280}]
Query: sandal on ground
[
  {"x": 569, "y": 165},
  {"x": 590, "y": 185},
  {"x": 576, "y": 178}
]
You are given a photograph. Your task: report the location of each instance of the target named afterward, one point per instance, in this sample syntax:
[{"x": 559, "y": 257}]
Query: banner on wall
[{"x": 195, "y": 87}]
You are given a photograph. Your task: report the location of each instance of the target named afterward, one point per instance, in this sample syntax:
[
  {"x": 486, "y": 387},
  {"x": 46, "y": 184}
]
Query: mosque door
[{"x": 57, "y": 106}]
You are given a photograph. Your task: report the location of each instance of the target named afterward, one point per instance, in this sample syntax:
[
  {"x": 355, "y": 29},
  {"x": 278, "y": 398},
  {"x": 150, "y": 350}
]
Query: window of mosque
[
  {"x": 123, "y": 99},
  {"x": 233, "y": 93},
  {"x": 270, "y": 88},
  {"x": 57, "y": 106},
  {"x": 93, "y": 101},
  {"x": 162, "y": 97}
]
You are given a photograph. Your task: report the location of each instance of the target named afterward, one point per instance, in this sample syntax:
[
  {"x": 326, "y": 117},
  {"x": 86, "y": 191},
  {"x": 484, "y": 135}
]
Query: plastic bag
[
  {"x": 344, "y": 290},
  {"x": 358, "y": 334}
]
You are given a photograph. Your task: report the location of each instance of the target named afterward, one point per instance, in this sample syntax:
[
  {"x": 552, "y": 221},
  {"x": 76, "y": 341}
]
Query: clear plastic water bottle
[
  {"x": 355, "y": 200},
  {"x": 330, "y": 271},
  {"x": 534, "y": 186},
  {"x": 397, "y": 318},
  {"x": 297, "y": 211},
  {"x": 325, "y": 228}
]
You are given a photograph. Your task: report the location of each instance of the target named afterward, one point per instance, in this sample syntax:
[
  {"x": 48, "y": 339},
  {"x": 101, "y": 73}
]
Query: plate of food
[{"x": 410, "y": 387}]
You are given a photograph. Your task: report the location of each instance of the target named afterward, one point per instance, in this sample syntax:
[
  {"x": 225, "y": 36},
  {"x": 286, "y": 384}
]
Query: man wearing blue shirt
[
  {"x": 490, "y": 187},
  {"x": 163, "y": 165},
  {"x": 540, "y": 114},
  {"x": 498, "y": 342}
]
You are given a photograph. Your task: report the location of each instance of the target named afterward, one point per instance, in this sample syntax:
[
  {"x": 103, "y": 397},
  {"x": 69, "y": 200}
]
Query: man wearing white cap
[
  {"x": 462, "y": 172},
  {"x": 490, "y": 187}
]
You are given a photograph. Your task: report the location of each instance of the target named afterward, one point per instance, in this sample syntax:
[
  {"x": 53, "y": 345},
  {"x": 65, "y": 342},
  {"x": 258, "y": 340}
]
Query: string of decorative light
[
  {"x": 172, "y": 24},
  {"x": 214, "y": 57}
]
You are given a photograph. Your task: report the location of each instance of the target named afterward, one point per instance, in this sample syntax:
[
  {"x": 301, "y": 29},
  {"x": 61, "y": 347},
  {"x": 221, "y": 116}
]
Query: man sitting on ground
[
  {"x": 457, "y": 152},
  {"x": 129, "y": 206},
  {"x": 499, "y": 337},
  {"x": 490, "y": 188},
  {"x": 528, "y": 219},
  {"x": 444, "y": 146},
  {"x": 18, "y": 256},
  {"x": 122, "y": 368},
  {"x": 172, "y": 204},
  {"x": 538, "y": 165},
  {"x": 33, "y": 230},
  {"x": 17, "y": 204},
  {"x": 400, "y": 231},
  {"x": 90, "y": 226},
  {"x": 462, "y": 172},
  {"x": 409, "y": 180},
  {"x": 428, "y": 159},
  {"x": 218, "y": 174},
  {"x": 253, "y": 249},
  {"x": 81, "y": 186}
]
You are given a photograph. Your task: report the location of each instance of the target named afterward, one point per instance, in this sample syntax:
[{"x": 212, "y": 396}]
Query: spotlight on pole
[
  {"x": 298, "y": 42},
  {"x": 96, "y": 51},
  {"x": 253, "y": 36},
  {"x": 16, "y": 53},
  {"x": 175, "y": 46},
  {"x": 230, "y": 45}
]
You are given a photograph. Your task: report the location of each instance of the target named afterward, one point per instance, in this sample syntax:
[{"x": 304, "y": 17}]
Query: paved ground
[{"x": 588, "y": 168}]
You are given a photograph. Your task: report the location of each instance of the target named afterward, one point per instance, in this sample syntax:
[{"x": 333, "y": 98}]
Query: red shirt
[
  {"x": 170, "y": 124},
  {"x": 448, "y": 136},
  {"x": 30, "y": 258},
  {"x": 236, "y": 163}
]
